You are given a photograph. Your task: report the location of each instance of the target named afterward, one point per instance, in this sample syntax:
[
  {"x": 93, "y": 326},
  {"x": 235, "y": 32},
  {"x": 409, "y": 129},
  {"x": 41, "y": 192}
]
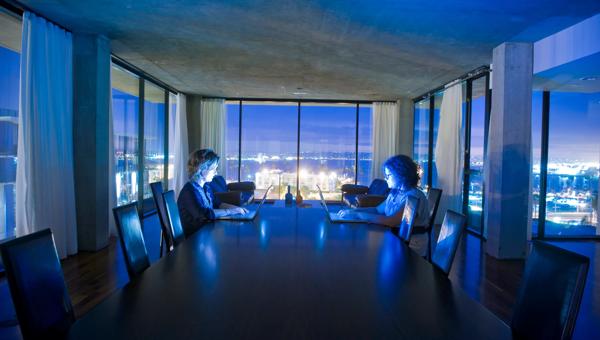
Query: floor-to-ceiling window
[
  {"x": 327, "y": 143},
  {"x": 154, "y": 136},
  {"x": 573, "y": 163},
  {"x": 142, "y": 132},
  {"x": 327, "y": 148},
  {"x": 232, "y": 135},
  {"x": 477, "y": 135},
  {"x": 421, "y": 138},
  {"x": 270, "y": 146},
  {"x": 9, "y": 120},
  {"x": 536, "y": 153},
  {"x": 125, "y": 112},
  {"x": 171, "y": 148},
  {"x": 365, "y": 143}
]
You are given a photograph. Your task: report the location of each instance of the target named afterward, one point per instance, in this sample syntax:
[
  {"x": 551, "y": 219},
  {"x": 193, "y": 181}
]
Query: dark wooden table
[{"x": 290, "y": 274}]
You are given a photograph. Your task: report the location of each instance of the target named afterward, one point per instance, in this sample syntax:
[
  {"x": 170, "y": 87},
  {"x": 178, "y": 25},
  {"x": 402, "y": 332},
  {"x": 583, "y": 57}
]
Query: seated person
[
  {"x": 401, "y": 175},
  {"x": 196, "y": 201}
]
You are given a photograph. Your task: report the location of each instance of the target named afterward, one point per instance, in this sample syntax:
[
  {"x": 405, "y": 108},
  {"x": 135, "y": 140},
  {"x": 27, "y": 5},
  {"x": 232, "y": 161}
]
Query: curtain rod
[
  {"x": 303, "y": 100},
  {"x": 18, "y": 9},
  {"x": 476, "y": 73}
]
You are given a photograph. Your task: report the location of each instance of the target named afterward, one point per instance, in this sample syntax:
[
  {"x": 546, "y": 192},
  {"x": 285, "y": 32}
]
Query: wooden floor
[{"x": 91, "y": 277}]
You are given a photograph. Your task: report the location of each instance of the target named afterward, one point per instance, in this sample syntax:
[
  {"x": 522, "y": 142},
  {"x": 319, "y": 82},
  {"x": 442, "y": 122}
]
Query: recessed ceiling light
[
  {"x": 299, "y": 93},
  {"x": 589, "y": 78}
]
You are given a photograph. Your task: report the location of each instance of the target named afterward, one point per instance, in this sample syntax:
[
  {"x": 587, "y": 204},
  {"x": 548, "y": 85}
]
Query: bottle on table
[{"x": 289, "y": 198}]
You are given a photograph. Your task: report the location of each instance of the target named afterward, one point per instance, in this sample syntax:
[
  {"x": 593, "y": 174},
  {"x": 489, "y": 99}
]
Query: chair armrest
[
  {"x": 230, "y": 197},
  {"x": 354, "y": 189},
  {"x": 363, "y": 201},
  {"x": 241, "y": 186}
]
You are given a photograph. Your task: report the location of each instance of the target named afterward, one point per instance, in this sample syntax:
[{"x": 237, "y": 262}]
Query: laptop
[
  {"x": 251, "y": 214},
  {"x": 334, "y": 217}
]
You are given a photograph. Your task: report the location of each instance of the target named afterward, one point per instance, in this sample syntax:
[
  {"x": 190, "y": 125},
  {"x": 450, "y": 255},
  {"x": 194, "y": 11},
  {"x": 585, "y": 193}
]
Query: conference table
[{"x": 290, "y": 273}]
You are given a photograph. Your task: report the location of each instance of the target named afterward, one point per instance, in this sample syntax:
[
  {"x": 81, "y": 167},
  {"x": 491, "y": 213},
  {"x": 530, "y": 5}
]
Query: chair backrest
[
  {"x": 411, "y": 207},
  {"x": 131, "y": 238},
  {"x": 433, "y": 198},
  {"x": 157, "y": 194},
  {"x": 218, "y": 184},
  {"x": 37, "y": 286},
  {"x": 378, "y": 187},
  {"x": 550, "y": 294},
  {"x": 175, "y": 227},
  {"x": 448, "y": 240}
]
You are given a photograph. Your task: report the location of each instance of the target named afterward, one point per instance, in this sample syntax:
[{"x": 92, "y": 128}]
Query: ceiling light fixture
[{"x": 588, "y": 78}]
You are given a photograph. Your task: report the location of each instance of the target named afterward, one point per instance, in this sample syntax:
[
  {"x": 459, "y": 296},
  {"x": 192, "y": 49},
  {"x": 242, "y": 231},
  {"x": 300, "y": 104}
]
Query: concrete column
[
  {"x": 91, "y": 91},
  {"x": 193, "y": 121},
  {"x": 508, "y": 159},
  {"x": 406, "y": 130}
]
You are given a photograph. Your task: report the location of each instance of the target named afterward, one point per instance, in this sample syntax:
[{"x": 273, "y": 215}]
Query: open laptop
[
  {"x": 334, "y": 217},
  {"x": 251, "y": 214}
]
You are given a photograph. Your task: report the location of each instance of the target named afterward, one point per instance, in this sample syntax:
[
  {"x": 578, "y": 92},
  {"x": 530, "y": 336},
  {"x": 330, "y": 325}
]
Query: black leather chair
[
  {"x": 408, "y": 218},
  {"x": 37, "y": 286},
  {"x": 433, "y": 199},
  {"x": 157, "y": 193},
  {"x": 132, "y": 240},
  {"x": 448, "y": 240},
  {"x": 174, "y": 221},
  {"x": 360, "y": 196},
  {"x": 550, "y": 294},
  {"x": 236, "y": 193}
]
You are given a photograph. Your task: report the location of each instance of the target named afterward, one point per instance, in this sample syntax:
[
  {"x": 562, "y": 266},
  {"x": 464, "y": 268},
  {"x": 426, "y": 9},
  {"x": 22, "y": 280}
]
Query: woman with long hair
[{"x": 196, "y": 202}]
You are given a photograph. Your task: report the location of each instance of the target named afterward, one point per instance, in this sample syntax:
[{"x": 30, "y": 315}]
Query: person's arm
[
  {"x": 390, "y": 221},
  {"x": 226, "y": 209}
]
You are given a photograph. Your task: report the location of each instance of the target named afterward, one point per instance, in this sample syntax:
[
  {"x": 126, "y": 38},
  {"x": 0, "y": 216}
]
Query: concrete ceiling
[{"x": 323, "y": 49}]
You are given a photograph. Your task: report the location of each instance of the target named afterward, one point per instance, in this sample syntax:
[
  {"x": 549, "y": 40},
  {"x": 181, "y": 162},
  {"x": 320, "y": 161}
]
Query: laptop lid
[{"x": 323, "y": 200}]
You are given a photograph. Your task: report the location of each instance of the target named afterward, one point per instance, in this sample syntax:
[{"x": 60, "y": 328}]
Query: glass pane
[
  {"x": 172, "y": 120},
  {"x": 232, "y": 110},
  {"x": 154, "y": 136},
  {"x": 536, "y": 148},
  {"x": 9, "y": 127},
  {"x": 125, "y": 107},
  {"x": 365, "y": 143},
  {"x": 573, "y": 162},
  {"x": 475, "y": 205},
  {"x": 421, "y": 138},
  {"x": 269, "y": 146},
  {"x": 327, "y": 149}
]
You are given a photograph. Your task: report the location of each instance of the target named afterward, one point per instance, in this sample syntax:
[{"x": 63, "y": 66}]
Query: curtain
[
  {"x": 180, "y": 151},
  {"x": 448, "y": 152},
  {"x": 45, "y": 181},
  {"x": 385, "y": 136},
  {"x": 212, "y": 128}
]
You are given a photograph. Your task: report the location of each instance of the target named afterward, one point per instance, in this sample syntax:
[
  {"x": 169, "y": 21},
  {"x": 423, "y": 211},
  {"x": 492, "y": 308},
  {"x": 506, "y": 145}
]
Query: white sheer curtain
[
  {"x": 181, "y": 150},
  {"x": 449, "y": 151},
  {"x": 385, "y": 138},
  {"x": 212, "y": 128},
  {"x": 45, "y": 184}
]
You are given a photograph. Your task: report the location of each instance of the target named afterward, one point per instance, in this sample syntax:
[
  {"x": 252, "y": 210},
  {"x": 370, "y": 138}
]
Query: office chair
[
  {"x": 433, "y": 200},
  {"x": 550, "y": 294},
  {"x": 37, "y": 286},
  {"x": 362, "y": 196},
  {"x": 131, "y": 238},
  {"x": 175, "y": 229},
  {"x": 165, "y": 240},
  {"x": 408, "y": 218},
  {"x": 448, "y": 240}
]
